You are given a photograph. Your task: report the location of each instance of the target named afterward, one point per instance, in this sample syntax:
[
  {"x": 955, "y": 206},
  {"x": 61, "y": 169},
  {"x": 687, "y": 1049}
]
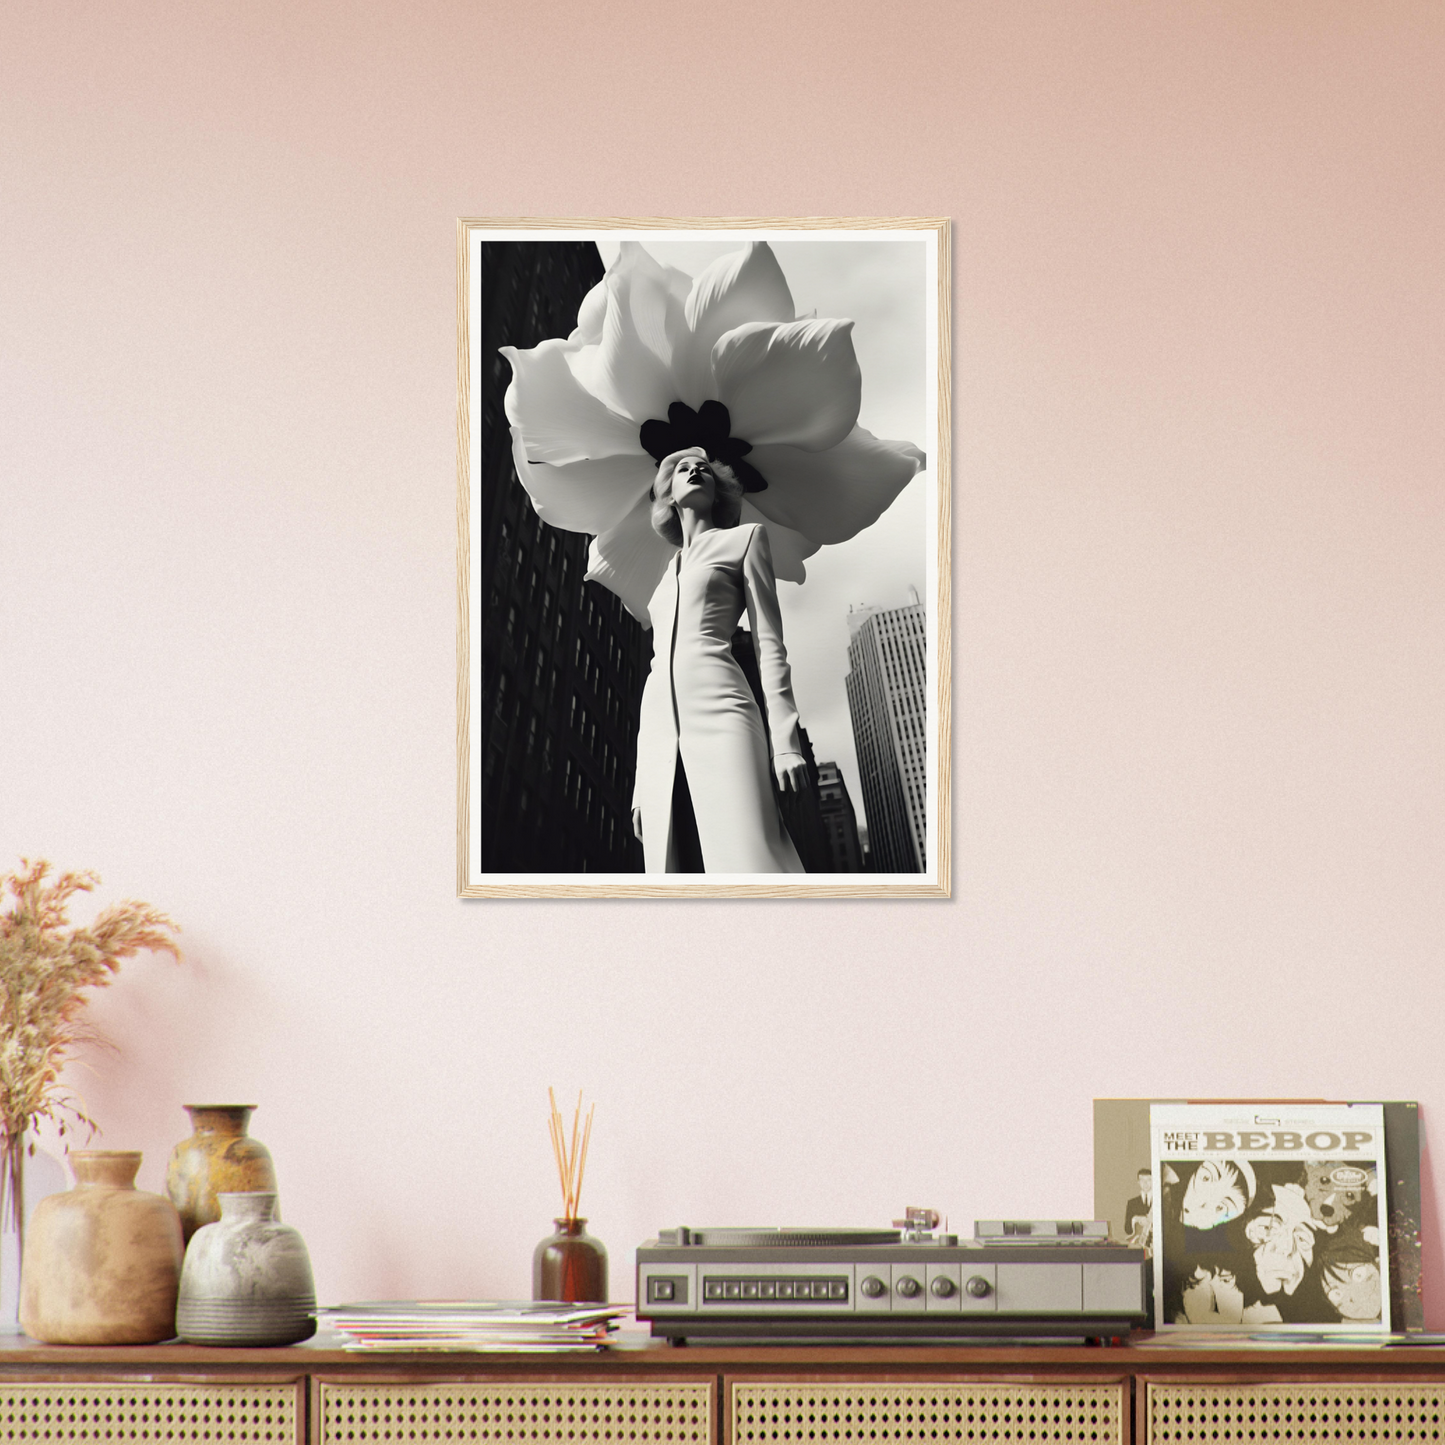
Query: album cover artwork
[
  {"x": 1270, "y": 1218},
  {"x": 1124, "y": 1188}
]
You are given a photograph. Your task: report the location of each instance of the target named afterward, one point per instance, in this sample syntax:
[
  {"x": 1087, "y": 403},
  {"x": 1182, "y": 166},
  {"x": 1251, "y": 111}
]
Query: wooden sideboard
[{"x": 646, "y": 1393}]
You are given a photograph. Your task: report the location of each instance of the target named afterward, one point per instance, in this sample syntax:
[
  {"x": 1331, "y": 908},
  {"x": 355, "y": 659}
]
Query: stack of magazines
[{"x": 472, "y": 1325}]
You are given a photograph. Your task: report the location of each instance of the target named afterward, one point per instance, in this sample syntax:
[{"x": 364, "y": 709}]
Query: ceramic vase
[
  {"x": 570, "y": 1265},
  {"x": 247, "y": 1278},
  {"x": 103, "y": 1261},
  {"x": 219, "y": 1157}
]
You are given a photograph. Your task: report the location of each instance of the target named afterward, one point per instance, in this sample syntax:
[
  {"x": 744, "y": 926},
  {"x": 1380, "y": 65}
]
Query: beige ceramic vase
[
  {"x": 219, "y": 1158},
  {"x": 102, "y": 1262}
]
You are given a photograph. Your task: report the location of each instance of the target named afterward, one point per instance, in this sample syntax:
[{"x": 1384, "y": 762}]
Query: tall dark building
[
  {"x": 840, "y": 822},
  {"x": 562, "y": 661},
  {"x": 887, "y": 699}
]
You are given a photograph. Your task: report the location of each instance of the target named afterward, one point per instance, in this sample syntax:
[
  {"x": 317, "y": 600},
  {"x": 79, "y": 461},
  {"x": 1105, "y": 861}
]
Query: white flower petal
[
  {"x": 789, "y": 547},
  {"x": 746, "y": 285},
  {"x": 584, "y": 496},
  {"x": 797, "y": 383},
  {"x": 833, "y": 495},
  {"x": 591, "y": 314},
  {"x": 630, "y": 558},
  {"x": 560, "y": 420},
  {"x": 630, "y": 369}
]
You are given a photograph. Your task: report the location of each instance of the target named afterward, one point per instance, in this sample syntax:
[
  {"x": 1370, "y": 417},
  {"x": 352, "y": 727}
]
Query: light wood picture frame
[{"x": 553, "y": 622}]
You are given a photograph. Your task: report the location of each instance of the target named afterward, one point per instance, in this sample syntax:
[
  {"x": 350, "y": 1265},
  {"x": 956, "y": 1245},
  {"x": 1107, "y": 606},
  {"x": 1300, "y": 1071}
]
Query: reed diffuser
[{"x": 570, "y": 1266}]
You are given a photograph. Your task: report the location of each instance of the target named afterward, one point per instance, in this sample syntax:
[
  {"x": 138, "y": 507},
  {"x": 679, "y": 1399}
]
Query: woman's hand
[
  {"x": 637, "y": 824},
  {"x": 791, "y": 772}
]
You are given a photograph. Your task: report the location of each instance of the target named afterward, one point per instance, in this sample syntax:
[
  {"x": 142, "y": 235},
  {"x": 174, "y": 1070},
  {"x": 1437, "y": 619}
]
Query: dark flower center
[{"x": 708, "y": 427}]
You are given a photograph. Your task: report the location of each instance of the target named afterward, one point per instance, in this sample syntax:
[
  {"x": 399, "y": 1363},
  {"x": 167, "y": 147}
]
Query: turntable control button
[
  {"x": 908, "y": 1287},
  {"x": 978, "y": 1286},
  {"x": 942, "y": 1286},
  {"x": 873, "y": 1287}
]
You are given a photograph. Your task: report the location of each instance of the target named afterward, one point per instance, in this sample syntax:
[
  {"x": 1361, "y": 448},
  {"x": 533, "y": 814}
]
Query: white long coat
[{"x": 697, "y": 703}]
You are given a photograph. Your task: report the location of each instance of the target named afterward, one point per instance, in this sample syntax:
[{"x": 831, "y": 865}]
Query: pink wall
[{"x": 1197, "y": 574}]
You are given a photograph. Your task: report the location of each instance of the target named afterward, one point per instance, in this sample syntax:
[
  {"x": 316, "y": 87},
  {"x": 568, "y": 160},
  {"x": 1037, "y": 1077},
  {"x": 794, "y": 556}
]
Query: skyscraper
[
  {"x": 563, "y": 662},
  {"x": 839, "y": 819},
  {"x": 888, "y": 703}
]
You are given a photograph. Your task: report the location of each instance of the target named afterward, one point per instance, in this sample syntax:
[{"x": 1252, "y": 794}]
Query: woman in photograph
[
  {"x": 716, "y": 363},
  {"x": 703, "y": 801}
]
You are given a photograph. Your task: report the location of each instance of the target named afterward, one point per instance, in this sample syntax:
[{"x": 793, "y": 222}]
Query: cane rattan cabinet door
[
  {"x": 619, "y": 1412},
  {"x": 187, "y": 1414},
  {"x": 1382, "y": 1413},
  {"x": 777, "y": 1413}
]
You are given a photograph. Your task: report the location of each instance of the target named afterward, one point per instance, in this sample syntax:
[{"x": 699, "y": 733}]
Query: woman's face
[
  {"x": 694, "y": 484},
  {"x": 1214, "y": 1195}
]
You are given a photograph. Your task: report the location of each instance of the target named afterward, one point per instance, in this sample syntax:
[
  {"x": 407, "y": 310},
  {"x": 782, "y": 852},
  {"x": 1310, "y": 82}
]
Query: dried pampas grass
[{"x": 46, "y": 972}]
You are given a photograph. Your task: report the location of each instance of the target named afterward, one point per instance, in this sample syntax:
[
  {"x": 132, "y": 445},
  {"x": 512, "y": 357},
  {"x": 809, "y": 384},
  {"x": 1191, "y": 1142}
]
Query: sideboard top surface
[{"x": 637, "y": 1352}]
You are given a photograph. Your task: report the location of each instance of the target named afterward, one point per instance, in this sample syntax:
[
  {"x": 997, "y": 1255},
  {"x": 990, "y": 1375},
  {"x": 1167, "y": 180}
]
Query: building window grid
[{"x": 886, "y": 676}]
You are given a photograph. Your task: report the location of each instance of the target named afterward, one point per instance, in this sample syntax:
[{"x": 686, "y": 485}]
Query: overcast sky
[{"x": 880, "y": 286}]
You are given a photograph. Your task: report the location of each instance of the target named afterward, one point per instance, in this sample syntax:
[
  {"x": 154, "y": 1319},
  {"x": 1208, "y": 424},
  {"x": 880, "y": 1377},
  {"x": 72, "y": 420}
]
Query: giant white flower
[{"x": 659, "y": 361}]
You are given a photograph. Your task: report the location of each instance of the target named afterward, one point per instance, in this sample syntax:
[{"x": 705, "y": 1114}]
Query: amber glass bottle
[{"x": 570, "y": 1266}]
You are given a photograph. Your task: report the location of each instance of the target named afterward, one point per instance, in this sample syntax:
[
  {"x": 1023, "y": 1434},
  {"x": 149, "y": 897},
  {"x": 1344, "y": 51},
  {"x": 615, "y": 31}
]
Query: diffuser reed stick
[{"x": 570, "y": 1154}]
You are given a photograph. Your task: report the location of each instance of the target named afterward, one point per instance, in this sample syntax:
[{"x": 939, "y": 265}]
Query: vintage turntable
[{"x": 1060, "y": 1279}]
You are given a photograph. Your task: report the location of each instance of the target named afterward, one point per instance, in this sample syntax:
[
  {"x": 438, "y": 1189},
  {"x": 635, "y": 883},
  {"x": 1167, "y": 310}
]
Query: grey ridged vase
[{"x": 246, "y": 1279}]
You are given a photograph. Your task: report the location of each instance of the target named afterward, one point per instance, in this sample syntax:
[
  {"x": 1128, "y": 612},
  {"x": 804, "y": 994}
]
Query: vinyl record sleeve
[
  {"x": 1123, "y": 1185},
  {"x": 1270, "y": 1218}
]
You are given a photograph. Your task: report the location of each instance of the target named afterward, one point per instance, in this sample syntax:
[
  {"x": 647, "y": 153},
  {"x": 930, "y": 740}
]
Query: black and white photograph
[{"x": 703, "y": 561}]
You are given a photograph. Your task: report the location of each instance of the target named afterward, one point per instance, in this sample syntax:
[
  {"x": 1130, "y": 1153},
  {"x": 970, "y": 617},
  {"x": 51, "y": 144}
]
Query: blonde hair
[{"x": 727, "y": 505}]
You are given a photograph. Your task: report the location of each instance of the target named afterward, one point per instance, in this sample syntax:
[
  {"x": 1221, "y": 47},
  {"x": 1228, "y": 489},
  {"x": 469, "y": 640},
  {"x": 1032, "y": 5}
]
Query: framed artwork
[{"x": 703, "y": 558}]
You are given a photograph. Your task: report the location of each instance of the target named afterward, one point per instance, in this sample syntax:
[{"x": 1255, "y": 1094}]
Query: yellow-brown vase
[
  {"x": 103, "y": 1261},
  {"x": 219, "y": 1158}
]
